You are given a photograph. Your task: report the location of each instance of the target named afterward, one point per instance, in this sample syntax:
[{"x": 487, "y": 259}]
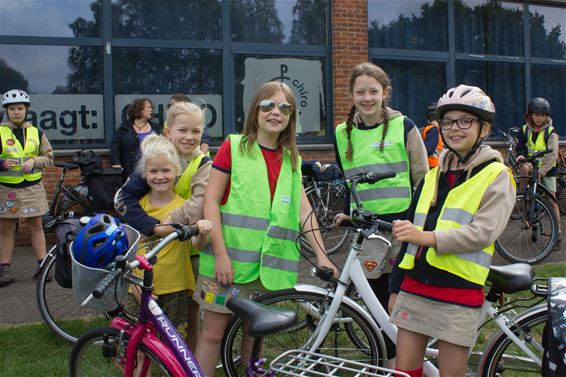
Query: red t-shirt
[{"x": 223, "y": 162}]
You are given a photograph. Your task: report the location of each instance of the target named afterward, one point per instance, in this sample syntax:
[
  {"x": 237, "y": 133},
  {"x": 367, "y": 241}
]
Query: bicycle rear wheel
[
  {"x": 102, "y": 352},
  {"x": 327, "y": 199},
  {"x": 503, "y": 358},
  {"x": 529, "y": 239},
  {"x": 309, "y": 306},
  {"x": 58, "y": 308}
]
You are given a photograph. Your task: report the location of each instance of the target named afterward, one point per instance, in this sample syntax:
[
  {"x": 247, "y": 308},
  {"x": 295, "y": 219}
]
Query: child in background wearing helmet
[
  {"x": 431, "y": 136},
  {"x": 457, "y": 212},
  {"x": 539, "y": 134},
  {"x": 174, "y": 282},
  {"x": 257, "y": 205},
  {"x": 24, "y": 151},
  {"x": 186, "y": 122},
  {"x": 377, "y": 138}
]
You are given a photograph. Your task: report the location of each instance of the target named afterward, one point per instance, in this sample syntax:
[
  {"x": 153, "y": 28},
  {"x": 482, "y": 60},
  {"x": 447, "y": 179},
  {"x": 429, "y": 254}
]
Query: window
[
  {"x": 547, "y": 32},
  {"x": 547, "y": 81},
  {"x": 413, "y": 25}
]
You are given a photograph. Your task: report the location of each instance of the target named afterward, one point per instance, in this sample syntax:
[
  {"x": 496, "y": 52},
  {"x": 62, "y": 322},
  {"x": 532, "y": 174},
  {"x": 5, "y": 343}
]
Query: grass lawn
[{"x": 35, "y": 351}]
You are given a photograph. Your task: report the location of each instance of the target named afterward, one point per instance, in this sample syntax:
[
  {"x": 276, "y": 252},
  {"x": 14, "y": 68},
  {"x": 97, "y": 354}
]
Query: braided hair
[{"x": 371, "y": 70}]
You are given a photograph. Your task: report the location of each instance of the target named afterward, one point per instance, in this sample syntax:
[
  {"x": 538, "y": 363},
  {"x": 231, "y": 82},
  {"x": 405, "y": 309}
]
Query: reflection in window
[
  {"x": 489, "y": 27},
  {"x": 51, "y": 18},
  {"x": 414, "y": 25},
  {"x": 197, "y": 20},
  {"x": 304, "y": 75},
  {"x": 300, "y": 22},
  {"x": 415, "y": 84},
  {"x": 548, "y": 81},
  {"x": 548, "y": 38},
  {"x": 503, "y": 82}
]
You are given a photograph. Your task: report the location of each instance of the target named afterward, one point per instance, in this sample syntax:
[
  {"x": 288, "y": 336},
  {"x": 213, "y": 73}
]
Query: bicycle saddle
[
  {"x": 262, "y": 320},
  {"x": 511, "y": 278}
]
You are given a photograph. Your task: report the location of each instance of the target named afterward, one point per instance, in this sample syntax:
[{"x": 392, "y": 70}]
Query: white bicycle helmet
[
  {"x": 467, "y": 98},
  {"x": 15, "y": 96}
]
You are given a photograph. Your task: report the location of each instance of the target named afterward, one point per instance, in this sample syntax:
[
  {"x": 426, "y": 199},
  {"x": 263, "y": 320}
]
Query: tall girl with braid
[{"x": 377, "y": 138}]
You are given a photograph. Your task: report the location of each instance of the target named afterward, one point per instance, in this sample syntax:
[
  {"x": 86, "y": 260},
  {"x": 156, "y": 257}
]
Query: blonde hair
[
  {"x": 155, "y": 146},
  {"x": 286, "y": 138},
  {"x": 371, "y": 70},
  {"x": 187, "y": 108}
]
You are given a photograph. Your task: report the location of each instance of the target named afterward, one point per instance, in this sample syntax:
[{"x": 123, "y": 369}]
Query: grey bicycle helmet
[
  {"x": 539, "y": 105},
  {"x": 15, "y": 96},
  {"x": 467, "y": 98}
]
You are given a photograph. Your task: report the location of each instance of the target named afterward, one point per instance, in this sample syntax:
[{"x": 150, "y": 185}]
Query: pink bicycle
[{"x": 142, "y": 345}]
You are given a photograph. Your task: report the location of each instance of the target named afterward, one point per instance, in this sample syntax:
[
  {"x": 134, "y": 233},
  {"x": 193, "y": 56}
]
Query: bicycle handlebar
[{"x": 537, "y": 154}]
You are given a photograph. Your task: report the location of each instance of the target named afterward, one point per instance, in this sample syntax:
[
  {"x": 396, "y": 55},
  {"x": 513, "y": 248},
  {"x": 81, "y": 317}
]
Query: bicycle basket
[{"x": 85, "y": 279}]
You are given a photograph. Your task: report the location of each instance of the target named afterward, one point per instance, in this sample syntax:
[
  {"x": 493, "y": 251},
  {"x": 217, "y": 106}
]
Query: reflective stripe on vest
[
  {"x": 540, "y": 143},
  {"x": 459, "y": 209},
  {"x": 12, "y": 148},
  {"x": 433, "y": 158},
  {"x": 389, "y": 195},
  {"x": 259, "y": 233},
  {"x": 183, "y": 188}
]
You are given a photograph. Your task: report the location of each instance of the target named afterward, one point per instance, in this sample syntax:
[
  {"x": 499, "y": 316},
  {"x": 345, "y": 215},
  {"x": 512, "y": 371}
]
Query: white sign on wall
[
  {"x": 67, "y": 116},
  {"x": 211, "y": 104},
  {"x": 304, "y": 77}
]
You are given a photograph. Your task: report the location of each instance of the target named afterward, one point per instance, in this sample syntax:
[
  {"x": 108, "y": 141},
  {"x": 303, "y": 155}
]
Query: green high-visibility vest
[
  {"x": 387, "y": 196},
  {"x": 183, "y": 188},
  {"x": 259, "y": 233},
  {"x": 458, "y": 210},
  {"x": 12, "y": 148},
  {"x": 540, "y": 143}
]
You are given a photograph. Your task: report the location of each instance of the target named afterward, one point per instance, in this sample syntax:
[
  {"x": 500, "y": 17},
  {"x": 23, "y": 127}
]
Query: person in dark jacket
[{"x": 125, "y": 147}]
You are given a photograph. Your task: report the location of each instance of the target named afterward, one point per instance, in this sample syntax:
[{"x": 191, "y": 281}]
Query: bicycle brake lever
[{"x": 376, "y": 236}]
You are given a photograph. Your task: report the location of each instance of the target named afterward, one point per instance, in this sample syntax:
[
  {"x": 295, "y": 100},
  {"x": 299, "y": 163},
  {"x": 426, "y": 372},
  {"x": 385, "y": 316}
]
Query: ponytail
[
  {"x": 385, "y": 125},
  {"x": 349, "y": 126}
]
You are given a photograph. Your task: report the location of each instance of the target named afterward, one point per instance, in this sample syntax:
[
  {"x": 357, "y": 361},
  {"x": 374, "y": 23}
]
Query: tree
[{"x": 11, "y": 78}]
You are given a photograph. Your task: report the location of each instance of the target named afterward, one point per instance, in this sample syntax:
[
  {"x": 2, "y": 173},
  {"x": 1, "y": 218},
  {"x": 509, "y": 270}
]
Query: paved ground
[{"x": 18, "y": 302}]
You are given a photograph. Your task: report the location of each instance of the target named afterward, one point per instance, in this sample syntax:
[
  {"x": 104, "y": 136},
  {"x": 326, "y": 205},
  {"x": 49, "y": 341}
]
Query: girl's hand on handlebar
[
  {"x": 323, "y": 261},
  {"x": 339, "y": 218},
  {"x": 204, "y": 227}
]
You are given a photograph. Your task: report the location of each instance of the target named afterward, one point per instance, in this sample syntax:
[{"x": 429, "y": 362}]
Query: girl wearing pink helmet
[{"x": 457, "y": 212}]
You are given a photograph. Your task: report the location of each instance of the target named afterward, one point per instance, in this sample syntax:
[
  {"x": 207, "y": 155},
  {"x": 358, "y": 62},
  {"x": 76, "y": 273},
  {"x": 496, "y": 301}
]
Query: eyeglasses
[
  {"x": 268, "y": 105},
  {"x": 463, "y": 123}
]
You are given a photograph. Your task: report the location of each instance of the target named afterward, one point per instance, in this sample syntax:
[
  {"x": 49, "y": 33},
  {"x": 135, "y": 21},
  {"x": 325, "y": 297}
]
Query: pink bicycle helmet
[{"x": 466, "y": 98}]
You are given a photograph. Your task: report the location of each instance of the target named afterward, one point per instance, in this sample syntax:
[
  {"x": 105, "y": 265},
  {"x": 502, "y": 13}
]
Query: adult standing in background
[{"x": 125, "y": 147}]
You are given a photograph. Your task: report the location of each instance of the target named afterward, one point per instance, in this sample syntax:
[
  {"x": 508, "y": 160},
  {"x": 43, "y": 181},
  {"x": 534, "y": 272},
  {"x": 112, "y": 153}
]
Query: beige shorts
[
  {"x": 448, "y": 322},
  {"x": 210, "y": 295},
  {"x": 377, "y": 257},
  {"x": 23, "y": 201}
]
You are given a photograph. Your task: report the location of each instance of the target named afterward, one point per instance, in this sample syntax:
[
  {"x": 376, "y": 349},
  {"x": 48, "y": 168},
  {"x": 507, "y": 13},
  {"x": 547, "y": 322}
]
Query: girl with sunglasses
[
  {"x": 457, "y": 212},
  {"x": 257, "y": 204},
  {"x": 377, "y": 138}
]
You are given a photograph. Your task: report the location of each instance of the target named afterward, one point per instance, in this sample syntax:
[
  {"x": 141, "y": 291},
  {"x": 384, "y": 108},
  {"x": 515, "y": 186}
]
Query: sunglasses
[{"x": 268, "y": 105}]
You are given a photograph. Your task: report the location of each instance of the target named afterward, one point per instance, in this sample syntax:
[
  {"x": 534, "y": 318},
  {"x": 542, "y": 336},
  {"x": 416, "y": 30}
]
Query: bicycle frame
[{"x": 352, "y": 272}]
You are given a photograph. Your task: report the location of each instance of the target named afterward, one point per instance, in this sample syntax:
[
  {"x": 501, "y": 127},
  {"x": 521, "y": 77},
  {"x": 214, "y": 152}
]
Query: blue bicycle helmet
[{"x": 100, "y": 241}]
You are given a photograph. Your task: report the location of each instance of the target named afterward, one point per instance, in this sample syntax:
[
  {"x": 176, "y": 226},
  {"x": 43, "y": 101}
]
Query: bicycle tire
[
  {"x": 503, "y": 358},
  {"x": 327, "y": 199},
  {"x": 561, "y": 193},
  {"x": 87, "y": 357},
  {"x": 79, "y": 206},
  {"x": 525, "y": 242},
  {"x": 337, "y": 342},
  {"x": 58, "y": 308}
]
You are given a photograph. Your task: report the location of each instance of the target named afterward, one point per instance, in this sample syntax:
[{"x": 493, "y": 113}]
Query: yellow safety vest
[
  {"x": 183, "y": 187},
  {"x": 459, "y": 209},
  {"x": 259, "y": 233},
  {"x": 540, "y": 143},
  {"x": 11, "y": 148},
  {"x": 388, "y": 196}
]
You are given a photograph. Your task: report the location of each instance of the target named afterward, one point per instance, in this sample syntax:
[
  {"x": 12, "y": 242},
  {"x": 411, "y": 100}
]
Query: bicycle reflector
[{"x": 100, "y": 241}]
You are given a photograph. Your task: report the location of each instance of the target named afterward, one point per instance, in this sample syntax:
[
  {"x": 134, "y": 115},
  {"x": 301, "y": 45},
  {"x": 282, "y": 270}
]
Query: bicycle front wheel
[
  {"x": 102, "y": 352},
  {"x": 503, "y": 358},
  {"x": 58, "y": 308},
  {"x": 310, "y": 308},
  {"x": 529, "y": 237},
  {"x": 327, "y": 199}
]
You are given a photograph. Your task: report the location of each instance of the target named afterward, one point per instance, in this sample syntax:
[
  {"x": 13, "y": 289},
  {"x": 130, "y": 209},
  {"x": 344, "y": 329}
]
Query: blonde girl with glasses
[
  {"x": 457, "y": 212},
  {"x": 257, "y": 206},
  {"x": 377, "y": 138}
]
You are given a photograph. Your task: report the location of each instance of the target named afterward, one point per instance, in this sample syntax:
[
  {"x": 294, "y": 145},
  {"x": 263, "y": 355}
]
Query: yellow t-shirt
[{"x": 173, "y": 271}]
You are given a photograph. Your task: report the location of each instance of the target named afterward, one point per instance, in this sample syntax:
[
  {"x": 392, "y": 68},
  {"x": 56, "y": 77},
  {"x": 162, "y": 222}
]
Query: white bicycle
[{"x": 332, "y": 323}]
